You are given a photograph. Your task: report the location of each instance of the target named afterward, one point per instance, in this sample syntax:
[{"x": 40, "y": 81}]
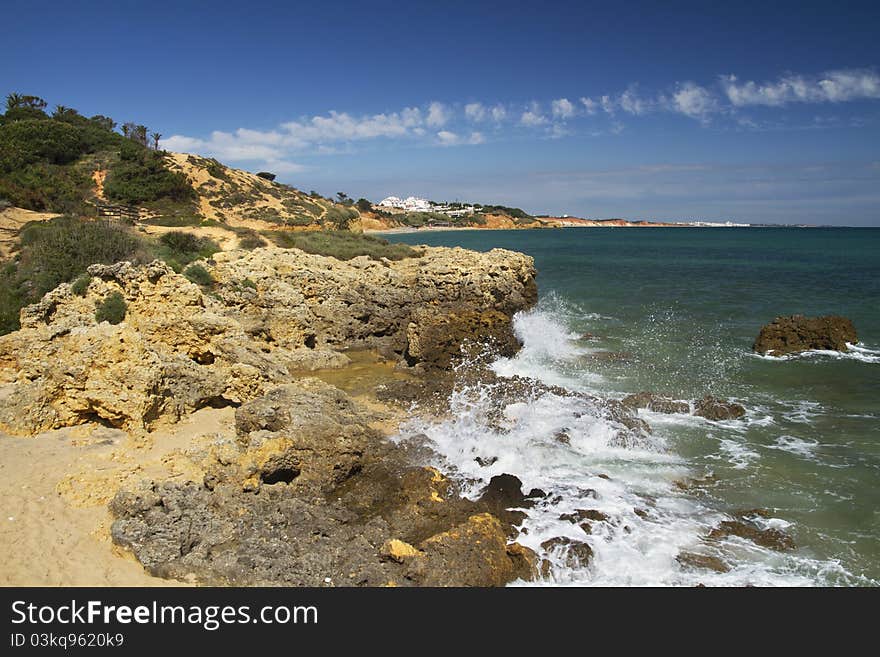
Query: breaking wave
[{"x": 647, "y": 504}]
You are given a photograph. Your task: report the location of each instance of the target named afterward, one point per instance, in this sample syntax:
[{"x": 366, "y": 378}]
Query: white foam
[
  {"x": 795, "y": 445},
  {"x": 739, "y": 454},
  {"x": 858, "y": 352}
]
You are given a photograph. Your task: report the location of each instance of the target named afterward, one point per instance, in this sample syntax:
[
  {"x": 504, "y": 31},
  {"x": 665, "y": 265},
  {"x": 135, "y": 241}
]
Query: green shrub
[
  {"x": 112, "y": 309},
  {"x": 249, "y": 283},
  {"x": 29, "y": 141},
  {"x": 251, "y": 241},
  {"x": 142, "y": 177},
  {"x": 81, "y": 285},
  {"x": 339, "y": 218},
  {"x": 342, "y": 245},
  {"x": 178, "y": 248},
  {"x": 59, "y": 250},
  {"x": 180, "y": 241},
  {"x": 199, "y": 275},
  {"x": 11, "y": 298},
  {"x": 46, "y": 187}
]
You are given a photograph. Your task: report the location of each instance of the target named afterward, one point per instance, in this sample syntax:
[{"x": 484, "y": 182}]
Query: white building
[{"x": 410, "y": 204}]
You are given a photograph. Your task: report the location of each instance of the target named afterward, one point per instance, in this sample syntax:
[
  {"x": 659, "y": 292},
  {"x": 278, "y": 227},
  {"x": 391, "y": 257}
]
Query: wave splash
[{"x": 642, "y": 515}]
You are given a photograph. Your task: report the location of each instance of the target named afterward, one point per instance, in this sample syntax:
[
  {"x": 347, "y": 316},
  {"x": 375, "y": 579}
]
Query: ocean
[{"x": 675, "y": 311}]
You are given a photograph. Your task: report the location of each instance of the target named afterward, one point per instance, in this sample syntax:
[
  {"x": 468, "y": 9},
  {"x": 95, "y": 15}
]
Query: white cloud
[
  {"x": 438, "y": 115},
  {"x": 449, "y": 138},
  {"x": 284, "y": 167},
  {"x": 834, "y": 87},
  {"x": 590, "y": 105},
  {"x": 498, "y": 113},
  {"x": 562, "y": 108},
  {"x": 533, "y": 116},
  {"x": 607, "y": 105},
  {"x": 694, "y": 101},
  {"x": 631, "y": 103},
  {"x": 475, "y": 111}
]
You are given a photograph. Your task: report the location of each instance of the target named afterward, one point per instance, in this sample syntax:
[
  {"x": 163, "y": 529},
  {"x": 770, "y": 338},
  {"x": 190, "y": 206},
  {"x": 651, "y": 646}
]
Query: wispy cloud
[
  {"x": 450, "y": 124},
  {"x": 448, "y": 138},
  {"x": 833, "y": 87}
]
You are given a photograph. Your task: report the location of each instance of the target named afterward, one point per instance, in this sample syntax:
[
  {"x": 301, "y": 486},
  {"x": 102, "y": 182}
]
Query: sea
[{"x": 675, "y": 311}]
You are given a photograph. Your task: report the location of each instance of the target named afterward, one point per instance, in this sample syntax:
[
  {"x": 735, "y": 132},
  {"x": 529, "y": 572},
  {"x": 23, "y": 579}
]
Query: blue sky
[{"x": 753, "y": 112}]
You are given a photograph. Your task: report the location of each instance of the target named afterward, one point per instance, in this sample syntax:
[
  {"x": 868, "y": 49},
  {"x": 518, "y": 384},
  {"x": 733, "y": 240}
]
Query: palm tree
[
  {"x": 13, "y": 100},
  {"x": 156, "y": 136}
]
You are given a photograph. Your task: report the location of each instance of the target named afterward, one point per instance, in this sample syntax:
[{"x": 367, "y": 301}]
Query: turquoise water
[{"x": 675, "y": 311}]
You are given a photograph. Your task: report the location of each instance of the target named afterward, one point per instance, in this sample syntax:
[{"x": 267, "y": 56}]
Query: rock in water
[
  {"x": 795, "y": 334},
  {"x": 716, "y": 409}
]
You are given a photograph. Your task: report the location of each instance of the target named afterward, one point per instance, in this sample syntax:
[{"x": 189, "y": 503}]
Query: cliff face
[{"x": 270, "y": 314}]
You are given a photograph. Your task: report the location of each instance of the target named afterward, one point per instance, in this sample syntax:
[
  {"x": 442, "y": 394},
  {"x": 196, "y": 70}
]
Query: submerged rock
[
  {"x": 575, "y": 553},
  {"x": 796, "y": 333},
  {"x": 655, "y": 403}
]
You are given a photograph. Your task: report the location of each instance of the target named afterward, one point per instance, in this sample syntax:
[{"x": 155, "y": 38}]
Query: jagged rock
[
  {"x": 716, "y": 409},
  {"x": 794, "y": 334}
]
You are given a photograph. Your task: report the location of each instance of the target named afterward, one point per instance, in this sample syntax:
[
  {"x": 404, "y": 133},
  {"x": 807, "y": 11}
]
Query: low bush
[
  {"x": 178, "y": 248},
  {"x": 342, "y": 245},
  {"x": 81, "y": 285},
  {"x": 251, "y": 241},
  {"x": 199, "y": 275},
  {"x": 339, "y": 218},
  {"x": 112, "y": 309}
]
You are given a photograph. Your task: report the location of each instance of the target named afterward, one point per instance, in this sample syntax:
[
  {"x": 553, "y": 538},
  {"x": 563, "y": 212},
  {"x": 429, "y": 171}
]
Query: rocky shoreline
[
  {"x": 307, "y": 491},
  {"x": 237, "y": 432}
]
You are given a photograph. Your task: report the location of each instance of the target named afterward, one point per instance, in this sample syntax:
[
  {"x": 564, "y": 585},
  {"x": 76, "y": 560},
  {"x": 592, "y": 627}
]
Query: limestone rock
[{"x": 272, "y": 313}]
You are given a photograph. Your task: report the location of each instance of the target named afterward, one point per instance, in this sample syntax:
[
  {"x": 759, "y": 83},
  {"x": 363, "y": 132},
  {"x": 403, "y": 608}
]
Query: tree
[
  {"x": 156, "y": 136},
  {"x": 63, "y": 112},
  {"x": 342, "y": 196},
  {"x": 266, "y": 175},
  {"x": 103, "y": 121},
  {"x": 364, "y": 205},
  {"x": 13, "y": 101}
]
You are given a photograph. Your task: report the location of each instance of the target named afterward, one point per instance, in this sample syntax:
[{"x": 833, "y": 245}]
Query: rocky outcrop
[
  {"x": 795, "y": 334},
  {"x": 308, "y": 491},
  {"x": 271, "y": 314}
]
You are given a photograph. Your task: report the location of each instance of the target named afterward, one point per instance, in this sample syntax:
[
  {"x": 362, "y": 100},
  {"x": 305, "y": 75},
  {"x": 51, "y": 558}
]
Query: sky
[{"x": 762, "y": 112}]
